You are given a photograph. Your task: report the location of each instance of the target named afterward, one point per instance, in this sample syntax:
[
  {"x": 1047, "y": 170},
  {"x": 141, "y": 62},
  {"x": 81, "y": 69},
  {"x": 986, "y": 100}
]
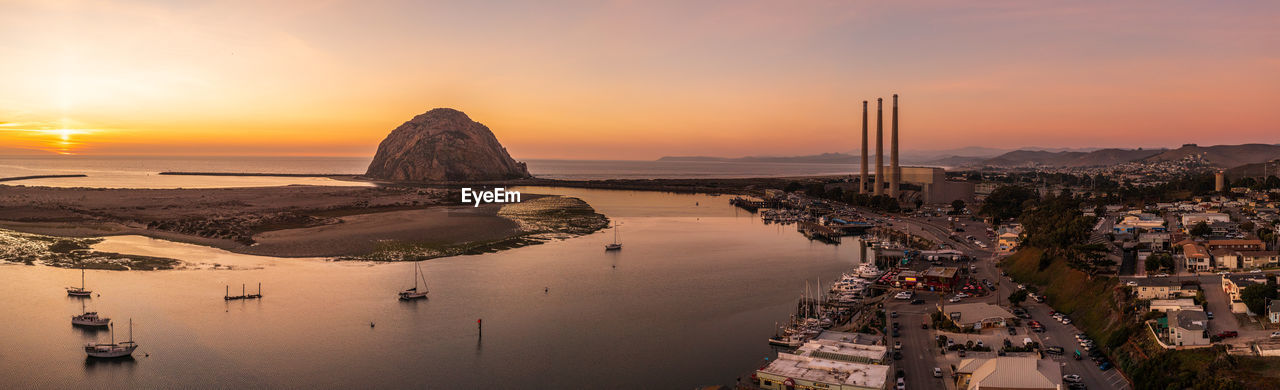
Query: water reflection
[{"x": 93, "y": 363}]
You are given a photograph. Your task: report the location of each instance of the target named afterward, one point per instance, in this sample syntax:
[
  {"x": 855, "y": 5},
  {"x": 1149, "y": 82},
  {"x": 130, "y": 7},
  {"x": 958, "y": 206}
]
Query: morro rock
[{"x": 443, "y": 145}]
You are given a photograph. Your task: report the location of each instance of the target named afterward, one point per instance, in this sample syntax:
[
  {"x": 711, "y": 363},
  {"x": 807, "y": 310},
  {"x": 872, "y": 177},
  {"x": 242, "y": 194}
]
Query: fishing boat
[
  {"x": 79, "y": 291},
  {"x": 89, "y": 319},
  {"x": 868, "y": 270},
  {"x": 112, "y": 350},
  {"x": 615, "y": 246},
  {"x": 414, "y": 293}
]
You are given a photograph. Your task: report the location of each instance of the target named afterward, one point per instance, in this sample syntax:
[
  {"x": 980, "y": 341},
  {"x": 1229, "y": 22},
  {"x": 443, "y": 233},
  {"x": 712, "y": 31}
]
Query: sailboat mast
[
  {"x": 113, "y": 332},
  {"x": 82, "y": 277},
  {"x": 130, "y": 330}
]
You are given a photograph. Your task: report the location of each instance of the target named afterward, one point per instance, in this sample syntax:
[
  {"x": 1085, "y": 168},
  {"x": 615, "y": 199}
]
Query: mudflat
[{"x": 290, "y": 221}]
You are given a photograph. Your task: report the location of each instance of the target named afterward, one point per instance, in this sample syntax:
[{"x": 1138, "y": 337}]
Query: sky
[{"x": 633, "y": 79}]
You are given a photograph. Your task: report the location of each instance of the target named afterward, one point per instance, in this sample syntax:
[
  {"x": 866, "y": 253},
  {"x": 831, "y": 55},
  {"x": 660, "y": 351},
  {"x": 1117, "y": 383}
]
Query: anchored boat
[
  {"x": 79, "y": 291},
  {"x": 89, "y": 319},
  {"x": 112, "y": 350},
  {"x": 413, "y": 293},
  {"x": 615, "y": 246}
]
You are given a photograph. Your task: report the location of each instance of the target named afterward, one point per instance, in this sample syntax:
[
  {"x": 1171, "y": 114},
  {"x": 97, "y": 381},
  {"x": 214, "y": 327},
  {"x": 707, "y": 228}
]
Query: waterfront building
[
  {"x": 1008, "y": 373},
  {"x": 791, "y": 371},
  {"x": 977, "y": 315}
]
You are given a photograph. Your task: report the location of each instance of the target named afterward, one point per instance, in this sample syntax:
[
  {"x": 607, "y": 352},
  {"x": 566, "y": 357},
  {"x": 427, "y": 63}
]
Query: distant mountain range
[{"x": 1223, "y": 156}]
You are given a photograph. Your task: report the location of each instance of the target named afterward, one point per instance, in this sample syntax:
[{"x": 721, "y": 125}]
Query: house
[
  {"x": 1233, "y": 284},
  {"x": 1188, "y": 328},
  {"x": 1225, "y": 258},
  {"x": 1168, "y": 305},
  {"x": 1155, "y": 240},
  {"x": 1009, "y": 236},
  {"x": 1197, "y": 258},
  {"x": 1258, "y": 259},
  {"x": 1163, "y": 288},
  {"x": 791, "y": 371},
  {"x": 1240, "y": 245},
  {"x": 1008, "y": 373},
  {"x": 977, "y": 315},
  {"x": 1273, "y": 312}
]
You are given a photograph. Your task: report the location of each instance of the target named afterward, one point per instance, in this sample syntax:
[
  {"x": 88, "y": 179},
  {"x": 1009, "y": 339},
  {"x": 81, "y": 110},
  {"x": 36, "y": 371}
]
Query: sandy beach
[{"x": 386, "y": 223}]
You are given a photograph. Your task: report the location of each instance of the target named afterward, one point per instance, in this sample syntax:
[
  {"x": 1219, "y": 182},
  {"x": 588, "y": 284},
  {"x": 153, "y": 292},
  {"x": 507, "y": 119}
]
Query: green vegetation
[
  {"x": 1018, "y": 297},
  {"x": 1093, "y": 302},
  {"x": 1200, "y": 229},
  {"x": 1007, "y": 202},
  {"x": 879, "y": 203},
  {"x": 957, "y": 206},
  {"x": 1159, "y": 260},
  {"x": 1256, "y": 296}
]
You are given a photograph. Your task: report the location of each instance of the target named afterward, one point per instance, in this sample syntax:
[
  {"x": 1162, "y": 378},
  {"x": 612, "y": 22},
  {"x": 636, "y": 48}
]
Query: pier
[
  {"x": 816, "y": 231},
  {"x": 243, "y": 294}
]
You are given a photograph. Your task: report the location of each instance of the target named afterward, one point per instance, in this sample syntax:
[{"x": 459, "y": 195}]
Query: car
[
  {"x": 1055, "y": 350},
  {"x": 902, "y": 384},
  {"x": 1131, "y": 283},
  {"x": 961, "y": 353},
  {"x": 1021, "y": 287},
  {"x": 1229, "y": 333},
  {"x": 917, "y": 302},
  {"x": 1077, "y": 386},
  {"x": 1255, "y": 271},
  {"x": 893, "y": 314},
  {"x": 1066, "y": 321},
  {"x": 924, "y": 325},
  {"x": 1104, "y": 366},
  {"x": 897, "y": 355},
  {"x": 937, "y": 372},
  {"x": 1219, "y": 273},
  {"x": 1161, "y": 275},
  {"x": 897, "y": 345},
  {"x": 1073, "y": 378},
  {"x": 954, "y": 300},
  {"x": 1208, "y": 314},
  {"x": 1275, "y": 335},
  {"x": 896, "y": 334},
  {"x": 901, "y": 374},
  {"x": 962, "y": 295},
  {"x": 1013, "y": 331},
  {"x": 896, "y": 326}
]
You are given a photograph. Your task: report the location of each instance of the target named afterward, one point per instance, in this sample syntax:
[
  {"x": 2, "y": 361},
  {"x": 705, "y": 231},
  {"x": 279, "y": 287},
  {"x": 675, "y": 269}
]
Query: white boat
[
  {"x": 112, "y": 350},
  {"x": 868, "y": 270},
  {"x": 793, "y": 341},
  {"x": 79, "y": 291},
  {"x": 615, "y": 246},
  {"x": 89, "y": 319},
  {"x": 414, "y": 293}
]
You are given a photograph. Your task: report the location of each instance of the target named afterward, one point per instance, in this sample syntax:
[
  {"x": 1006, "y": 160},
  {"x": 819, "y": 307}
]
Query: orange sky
[{"x": 632, "y": 79}]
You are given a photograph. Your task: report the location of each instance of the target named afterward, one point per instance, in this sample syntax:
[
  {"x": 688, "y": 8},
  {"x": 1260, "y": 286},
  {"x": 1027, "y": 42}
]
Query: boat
[
  {"x": 868, "y": 270},
  {"x": 793, "y": 341},
  {"x": 79, "y": 291},
  {"x": 112, "y": 350},
  {"x": 615, "y": 246},
  {"x": 414, "y": 293},
  {"x": 89, "y": 319}
]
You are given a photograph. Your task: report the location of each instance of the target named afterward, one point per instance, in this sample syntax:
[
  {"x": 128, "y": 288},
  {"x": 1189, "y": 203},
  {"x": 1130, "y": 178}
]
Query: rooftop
[
  {"x": 978, "y": 311},
  {"x": 843, "y": 351},
  {"x": 1011, "y": 372},
  {"x": 828, "y": 371},
  {"x": 1191, "y": 319}
]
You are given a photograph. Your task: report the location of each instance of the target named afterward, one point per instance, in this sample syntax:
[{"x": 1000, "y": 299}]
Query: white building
[
  {"x": 1009, "y": 373},
  {"x": 790, "y": 371}
]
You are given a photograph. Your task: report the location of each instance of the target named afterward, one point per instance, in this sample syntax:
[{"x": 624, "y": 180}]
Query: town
[{"x": 1132, "y": 276}]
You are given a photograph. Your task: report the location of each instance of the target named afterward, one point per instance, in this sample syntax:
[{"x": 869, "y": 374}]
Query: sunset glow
[{"x": 570, "y": 80}]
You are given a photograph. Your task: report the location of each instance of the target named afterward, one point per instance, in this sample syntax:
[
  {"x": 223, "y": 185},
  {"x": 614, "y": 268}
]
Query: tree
[
  {"x": 957, "y": 206},
  {"x": 919, "y": 203},
  {"x": 1159, "y": 260},
  {"x": 1256, "y": 296},
  {"x": 1152, "y": 264},
  {"x": 793, "y": 187},
  {"x": 1200, "y": 229},
  {"x": 1247, "y": 226},
  {"x": 1017, "y": 297},
  {"x": 1007, "y": 202}
]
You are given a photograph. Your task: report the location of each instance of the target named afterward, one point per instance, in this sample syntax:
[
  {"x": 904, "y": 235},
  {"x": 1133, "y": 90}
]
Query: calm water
[
  {"x": 689, "y": 301},
  {"x": 141, "y": 172}
]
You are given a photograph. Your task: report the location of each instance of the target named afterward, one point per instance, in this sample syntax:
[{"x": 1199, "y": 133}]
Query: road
[{"x": 919, "y": 352}]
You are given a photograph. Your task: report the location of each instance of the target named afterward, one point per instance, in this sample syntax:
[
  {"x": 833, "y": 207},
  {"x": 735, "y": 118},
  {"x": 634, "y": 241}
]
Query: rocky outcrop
[{"x": 443, "y": 145}]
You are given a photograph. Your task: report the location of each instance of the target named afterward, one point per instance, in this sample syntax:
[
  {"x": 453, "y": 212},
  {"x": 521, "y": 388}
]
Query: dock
[
  {"x": 816, "y": 231},
  {"x": 243, "y": 294}
]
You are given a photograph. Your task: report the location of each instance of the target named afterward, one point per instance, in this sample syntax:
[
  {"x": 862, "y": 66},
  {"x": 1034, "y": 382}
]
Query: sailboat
[
  {"x": 113, "y": 350},
  {"x": 615, "y": 246},
  {"x": 414, "y": 293},
  {"x": 79, "y": 291},
  {"x": 89, "y": 318}
]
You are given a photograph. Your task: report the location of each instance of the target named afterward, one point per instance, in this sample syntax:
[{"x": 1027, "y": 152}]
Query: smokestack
[
  {"x": 879, "y": 186},
  {"x": 895, "y": 173},
  {"x": 1220, "y": 181},
  {"x": 862, "y": 185}
]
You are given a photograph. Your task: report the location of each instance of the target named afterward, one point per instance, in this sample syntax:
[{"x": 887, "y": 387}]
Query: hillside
[{"x": 1223, "y": 156}]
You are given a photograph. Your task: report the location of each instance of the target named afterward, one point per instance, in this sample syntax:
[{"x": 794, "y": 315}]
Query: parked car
[
  {"x": 937, "y": 372},
  {"x": 893, "y": 314},
  {"x": 1055, "y": 350},
  {"x": 1275, "y": 335},
  {"x": 897, "y": 345},
  {"x": 1229, "y": 333},
  {"x": 1208, "y": 314},
  {"x": 1105, "y": 365},
  {"x": 1071, "y": 378},
  {"x": 917, "y": 302}
]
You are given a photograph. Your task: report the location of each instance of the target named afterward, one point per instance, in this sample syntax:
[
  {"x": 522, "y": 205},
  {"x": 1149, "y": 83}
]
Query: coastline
[{"x": 344, "y": 223}]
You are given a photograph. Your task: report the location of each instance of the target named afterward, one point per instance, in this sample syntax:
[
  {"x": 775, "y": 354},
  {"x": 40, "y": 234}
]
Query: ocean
[{"x": 141, "y": 172}]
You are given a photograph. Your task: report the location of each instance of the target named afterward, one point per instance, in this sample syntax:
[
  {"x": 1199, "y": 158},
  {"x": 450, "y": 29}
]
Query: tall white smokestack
[{"x": 879, "y": 186}]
